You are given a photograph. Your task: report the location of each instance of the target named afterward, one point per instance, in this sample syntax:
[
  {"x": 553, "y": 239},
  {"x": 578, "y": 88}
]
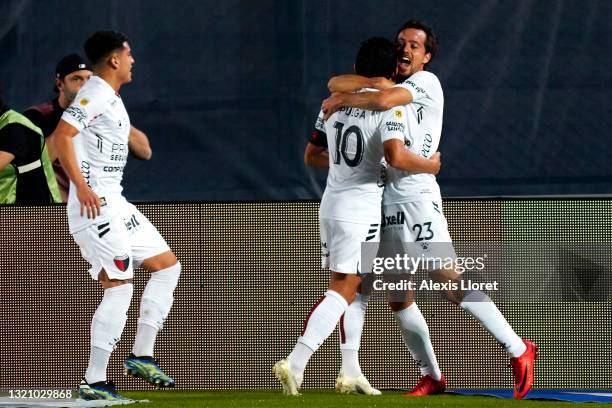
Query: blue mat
[{"x": 557, "y": 395}]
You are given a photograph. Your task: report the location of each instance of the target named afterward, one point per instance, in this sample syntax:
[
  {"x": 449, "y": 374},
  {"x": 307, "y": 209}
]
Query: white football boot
[
  {"x": 354, "y": 385},
  {"x": 291, "y": 382}
]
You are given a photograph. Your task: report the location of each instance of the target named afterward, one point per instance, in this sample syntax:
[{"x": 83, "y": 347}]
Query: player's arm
[
  {"x": 138, "y": 143},
  {"x": 61, "y": 138},
  {"x": 316, "y": 156},
  {"x": 374, "y": 101},
  {"x": 401, "y": 158},
  {"x": 392, "y": 127},
  {"x": 5, "y": 159},
  {"x": 350, "y": 82}
]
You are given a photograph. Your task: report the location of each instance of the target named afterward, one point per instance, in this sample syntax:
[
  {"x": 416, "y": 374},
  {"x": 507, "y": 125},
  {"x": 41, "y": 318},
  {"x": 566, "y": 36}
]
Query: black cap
[{"x": 69, "y": 64}]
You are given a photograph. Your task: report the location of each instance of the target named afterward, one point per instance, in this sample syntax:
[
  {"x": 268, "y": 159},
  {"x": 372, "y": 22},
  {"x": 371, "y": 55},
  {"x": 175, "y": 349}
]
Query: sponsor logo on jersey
[
  {"x": 122, "y": 262},
  {"x": 415, "y": 86},
  {"x": 78, "y": 114},
  {"x": 398, "y": 219},
  {"x": 119, "y": 152},
  {"x": 427, "y": 141},
  {"x": 395, "y": 127},
  {"x": 118, "y": 157},
  {"x": 398, "y": 113},
  {"x": 84, "y": 102},
  {"x": 112, "y": 169},
  {"x": 120, "y": 148},
  {"x": 86, "y": 171}
]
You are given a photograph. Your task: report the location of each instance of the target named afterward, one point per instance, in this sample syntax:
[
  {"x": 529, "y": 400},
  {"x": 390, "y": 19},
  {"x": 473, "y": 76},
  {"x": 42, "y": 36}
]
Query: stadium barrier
[{"x": 251, "y": 271}]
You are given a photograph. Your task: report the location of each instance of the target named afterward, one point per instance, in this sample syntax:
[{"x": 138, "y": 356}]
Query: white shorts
[
  {"x": 121, "y": 244},
  {"x": 420, "y": 225},
  {"x": 341, "y": 244}
]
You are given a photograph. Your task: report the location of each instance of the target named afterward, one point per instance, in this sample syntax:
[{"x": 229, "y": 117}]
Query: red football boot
[
  {"x": 427, "y": 386},
  {"x": 522, "y": 369}
]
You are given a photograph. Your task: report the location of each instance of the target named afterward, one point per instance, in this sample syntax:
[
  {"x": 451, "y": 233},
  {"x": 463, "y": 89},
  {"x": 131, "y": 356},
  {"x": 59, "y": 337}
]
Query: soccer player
[
  {"x": 418, "y": 198},
  {"x": 71, "y": 73},
  {"x": 91, "y": 140},
  {"x": 351, "y": 379},
  {"x": 350, "y": 208}
]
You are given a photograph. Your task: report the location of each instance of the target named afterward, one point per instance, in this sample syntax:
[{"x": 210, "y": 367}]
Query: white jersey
[
  {"x": 423, "y": 138},
  {"x": 101, "y": 147},
  {"x": 355, "y": 140}
]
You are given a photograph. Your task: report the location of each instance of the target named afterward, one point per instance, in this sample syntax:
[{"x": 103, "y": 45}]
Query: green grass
[{"x": 327, "y": 399}]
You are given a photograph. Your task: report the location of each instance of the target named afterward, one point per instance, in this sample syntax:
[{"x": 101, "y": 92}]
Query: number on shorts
[
  {"x": 342, "y": 144},
  {"x": 429, "y": 233}
]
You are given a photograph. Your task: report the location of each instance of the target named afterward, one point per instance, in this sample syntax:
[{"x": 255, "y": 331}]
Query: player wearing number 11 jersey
[{"x": 356, "y": 141}]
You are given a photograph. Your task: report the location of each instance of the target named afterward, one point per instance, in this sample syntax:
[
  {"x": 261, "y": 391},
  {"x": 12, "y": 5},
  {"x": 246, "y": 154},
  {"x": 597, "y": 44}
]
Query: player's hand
[
  {"x": 90, "y": 202},
  {"x": 331, "y": 105},
  {"x": 436, "y": 162}
]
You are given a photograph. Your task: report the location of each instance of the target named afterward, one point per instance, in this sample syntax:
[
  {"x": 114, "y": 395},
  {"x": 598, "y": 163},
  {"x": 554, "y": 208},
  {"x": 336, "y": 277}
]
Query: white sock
[
  {"x": 106, "y": 327},
  {"x": 145, "y": 340},
  {"x": 298, "y": 358},
  {"x": 98, "y": 361},
  {"x": 319, "y": 324},
  {"x": 479, "y": 305},
  {"x": 416, "y": 337},
  {"x": 351, "y": 328},
  {"x": 350, "y": 363},
  {"x": 155, "y": 305}
]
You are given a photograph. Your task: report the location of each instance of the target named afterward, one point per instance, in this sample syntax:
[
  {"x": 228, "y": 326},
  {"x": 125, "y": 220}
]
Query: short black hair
[
  {"x": 376, "y": 58},
  {"x": 1, "y": 101},
  {"x": 431, "y": 42},
  {"x": 102, "y": 43}
]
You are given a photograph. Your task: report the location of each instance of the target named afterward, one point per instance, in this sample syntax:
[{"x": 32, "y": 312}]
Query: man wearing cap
[
  {"x": 71, "y": 73},
  {"x": 26, "y": 175}
]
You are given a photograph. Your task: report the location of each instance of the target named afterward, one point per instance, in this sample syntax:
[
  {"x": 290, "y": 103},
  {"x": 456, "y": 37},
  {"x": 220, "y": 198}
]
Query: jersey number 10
[{"x": 342, "y": 142}]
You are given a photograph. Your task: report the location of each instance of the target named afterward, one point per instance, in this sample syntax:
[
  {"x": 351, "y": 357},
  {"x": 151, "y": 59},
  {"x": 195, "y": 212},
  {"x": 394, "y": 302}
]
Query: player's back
[{"x": 355, "y": 143}]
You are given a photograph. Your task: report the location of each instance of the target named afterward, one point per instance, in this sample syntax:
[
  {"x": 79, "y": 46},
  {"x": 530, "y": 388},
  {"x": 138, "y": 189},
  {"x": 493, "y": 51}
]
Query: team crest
[
  {"x": 84, "y": 102},
  {"x": 122, "y": 262},
  {"x": 398, "y": 114}
]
